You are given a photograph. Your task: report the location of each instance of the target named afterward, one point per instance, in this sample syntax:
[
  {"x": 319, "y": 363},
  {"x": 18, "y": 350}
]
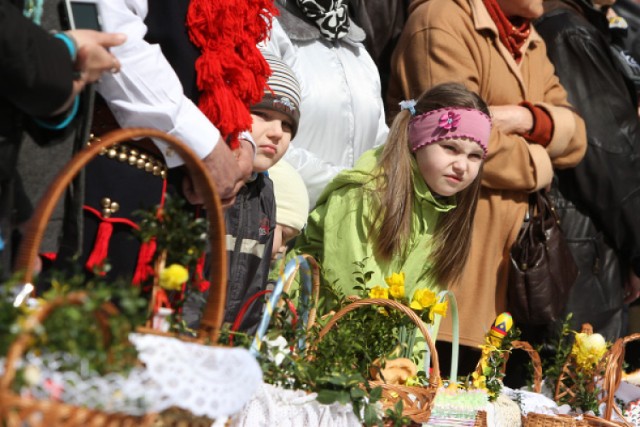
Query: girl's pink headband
[{"x": 449, "y": 123}]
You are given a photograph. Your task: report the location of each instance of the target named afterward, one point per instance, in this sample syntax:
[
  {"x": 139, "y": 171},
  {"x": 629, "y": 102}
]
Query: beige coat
[{"x": 456, "y": 40}]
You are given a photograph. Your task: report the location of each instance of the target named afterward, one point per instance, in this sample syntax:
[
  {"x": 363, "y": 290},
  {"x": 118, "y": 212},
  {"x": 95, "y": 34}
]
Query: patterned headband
[{"x": 450, "y": 123}]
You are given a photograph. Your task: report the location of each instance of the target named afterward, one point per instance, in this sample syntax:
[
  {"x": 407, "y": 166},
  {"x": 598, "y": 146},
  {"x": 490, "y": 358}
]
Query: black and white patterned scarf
[{"x": 330, "y": 16}]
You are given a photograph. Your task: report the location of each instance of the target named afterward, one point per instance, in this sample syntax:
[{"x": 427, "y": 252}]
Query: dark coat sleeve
[
  {"x": 36, "y": 72},
  {"x": 606, "y": 184}
]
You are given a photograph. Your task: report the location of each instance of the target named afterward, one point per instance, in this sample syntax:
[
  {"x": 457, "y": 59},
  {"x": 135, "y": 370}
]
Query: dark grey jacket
[
  {"x": 250, "y": 224},
  {"x": 598, "y": 200}
]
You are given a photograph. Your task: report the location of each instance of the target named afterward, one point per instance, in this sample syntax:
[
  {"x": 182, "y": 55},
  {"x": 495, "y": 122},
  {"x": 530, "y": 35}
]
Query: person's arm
[
  {"x": 41, "y": 73},
  {"x": 148, "y": 93},
  {"x": 606, "y": 183},
  {"x": 36, "y": 70}
]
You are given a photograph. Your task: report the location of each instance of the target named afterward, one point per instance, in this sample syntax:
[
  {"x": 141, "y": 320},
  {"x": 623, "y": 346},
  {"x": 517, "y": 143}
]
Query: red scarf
[
  {"x": 231, "y": 72},
  {"x": 512, "y": 37}
]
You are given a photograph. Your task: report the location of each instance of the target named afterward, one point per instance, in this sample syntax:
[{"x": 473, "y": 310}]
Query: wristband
[
  {"x": 70, "y": 43},
  {"x": 65, "y": 122}
]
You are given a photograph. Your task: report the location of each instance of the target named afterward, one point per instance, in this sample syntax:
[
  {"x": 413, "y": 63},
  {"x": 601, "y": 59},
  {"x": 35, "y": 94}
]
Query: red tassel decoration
[
  {"x": 100, "y": 247},
  {"x": 231, "y": 72},
  {"x": 201, "y": 284},
  {"x": 144, "y": 269}
]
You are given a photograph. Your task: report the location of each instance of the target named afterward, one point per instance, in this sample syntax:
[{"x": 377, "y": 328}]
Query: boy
[{"x": 251, "y": 221}]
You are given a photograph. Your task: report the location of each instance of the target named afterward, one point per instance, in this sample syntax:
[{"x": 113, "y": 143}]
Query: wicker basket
[
  {"x": 418, "y": 401},
  {"x": 16, "y": 410},
  {"x": 612, "y": 366},
  {"x": 542, "y": 420},
  {"x": 533, "y": 419},
  {"x": 19, "y": 411},
  {"x": 612, "y": 378},
  {"x": 563, "y": 390}
]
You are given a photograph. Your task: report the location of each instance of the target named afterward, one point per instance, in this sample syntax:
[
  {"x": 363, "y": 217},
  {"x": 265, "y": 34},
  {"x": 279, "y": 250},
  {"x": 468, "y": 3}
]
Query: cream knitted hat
[{"x": 292, "y": 199}]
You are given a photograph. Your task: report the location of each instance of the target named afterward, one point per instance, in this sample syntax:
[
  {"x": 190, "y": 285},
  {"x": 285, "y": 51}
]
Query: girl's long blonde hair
[{"x": 395, "y": 191}]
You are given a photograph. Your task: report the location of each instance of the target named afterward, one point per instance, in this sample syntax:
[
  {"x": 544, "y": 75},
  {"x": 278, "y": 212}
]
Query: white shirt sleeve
[{"x": 147, "y": 92}]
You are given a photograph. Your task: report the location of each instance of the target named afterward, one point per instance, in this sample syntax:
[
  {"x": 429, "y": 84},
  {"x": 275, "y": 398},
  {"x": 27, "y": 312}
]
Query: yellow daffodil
[
  {"x": 588, "y": 349},
  {"x": 396, "y": 285},
  {"x": 422, "y": 299},
  {"x": 173, "y": 277},
  {"x": 379, "y": 292},
  {"x": 439, "y": 308}
]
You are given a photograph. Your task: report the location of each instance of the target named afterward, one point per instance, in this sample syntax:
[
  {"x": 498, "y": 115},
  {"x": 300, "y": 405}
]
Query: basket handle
[
  {"x": 434, "y": 379},
  {"x": 310, "y": 273},
  {"x": 613, "y": 373},
  {"x": 535, "y": 360},
  {"x": 455, "y": 331},
  {"x": 23, "y": 340},
  {"x": 214, "y": 309}
]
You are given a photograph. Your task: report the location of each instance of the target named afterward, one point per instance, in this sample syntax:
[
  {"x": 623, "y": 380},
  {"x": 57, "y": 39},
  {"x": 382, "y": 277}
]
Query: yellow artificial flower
[
  {"x": 588, "y": 349},
  {"x": 396, "y": 285},
  {"x": 479, "y": 381},
  {"x": 172, "y": 277},
  {"x": 379, "y": 292},
  {"x": 413, "y": 382},
  {"x": 423, "y": 298}
]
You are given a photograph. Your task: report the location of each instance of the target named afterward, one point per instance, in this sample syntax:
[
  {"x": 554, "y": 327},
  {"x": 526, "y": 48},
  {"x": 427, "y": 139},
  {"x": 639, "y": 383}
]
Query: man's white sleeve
[{"x": 147, "y": 92}]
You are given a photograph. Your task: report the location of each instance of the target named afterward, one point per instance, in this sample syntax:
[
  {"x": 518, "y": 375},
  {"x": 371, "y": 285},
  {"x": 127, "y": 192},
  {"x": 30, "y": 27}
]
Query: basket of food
[
  {"x": 417, "y": 400},
  {"x": 184, "y": 381}
]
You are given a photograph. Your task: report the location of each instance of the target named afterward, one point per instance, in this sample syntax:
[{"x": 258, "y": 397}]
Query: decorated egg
[{"x": 502, "y": 325}]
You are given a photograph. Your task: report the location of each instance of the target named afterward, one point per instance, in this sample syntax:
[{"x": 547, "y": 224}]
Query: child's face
[
  {"x": 271, "y": 130},
  {"x": 281, "y": 236},
  {"x": 449, "y": 166}
]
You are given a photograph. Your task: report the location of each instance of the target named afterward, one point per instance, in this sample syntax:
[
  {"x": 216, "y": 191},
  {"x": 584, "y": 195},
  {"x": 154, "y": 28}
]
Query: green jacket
[{"x": 338, "y": 230}]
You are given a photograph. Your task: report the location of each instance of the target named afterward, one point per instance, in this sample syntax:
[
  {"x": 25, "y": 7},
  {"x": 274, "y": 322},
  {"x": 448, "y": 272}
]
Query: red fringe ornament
[
  {"x": 103, "y": 237},
  {"x": 231, "y": 72}
]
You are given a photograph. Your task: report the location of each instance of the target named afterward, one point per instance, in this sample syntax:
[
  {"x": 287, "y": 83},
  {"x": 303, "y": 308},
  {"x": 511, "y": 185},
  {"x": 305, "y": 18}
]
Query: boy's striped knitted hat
[{"x": 282, "y": 92}]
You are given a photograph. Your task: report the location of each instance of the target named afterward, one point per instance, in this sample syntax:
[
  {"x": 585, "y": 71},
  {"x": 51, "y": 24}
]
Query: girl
[{"x": 408, "y": 205}]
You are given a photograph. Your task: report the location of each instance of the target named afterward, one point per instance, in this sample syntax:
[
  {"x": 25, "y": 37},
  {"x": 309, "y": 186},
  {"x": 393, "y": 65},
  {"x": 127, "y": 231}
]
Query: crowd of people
[{"x": 406, "y": 135}]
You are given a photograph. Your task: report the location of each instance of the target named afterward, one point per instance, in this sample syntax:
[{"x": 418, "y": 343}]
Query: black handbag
[{"x": 542, "y": 269}]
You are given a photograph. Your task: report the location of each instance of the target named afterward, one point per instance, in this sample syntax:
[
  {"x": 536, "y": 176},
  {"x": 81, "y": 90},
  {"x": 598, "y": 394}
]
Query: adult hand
[
  {"x": 92, "y": 59},
  {"x": 511, "y": 119},
  {"x": 226, "y": 171},
  {"x": 93, "y": 56},
  {"x": 632, "y": 288}
]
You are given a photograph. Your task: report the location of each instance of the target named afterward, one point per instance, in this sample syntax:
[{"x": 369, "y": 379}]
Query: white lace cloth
[
  {"x": 214, "y": 382},
  {"x": 44, "y": 379},
  {"x": 207, "y": 381},
  {"x": 534, "y": 402},
  {"x": 275, "y": 406}
]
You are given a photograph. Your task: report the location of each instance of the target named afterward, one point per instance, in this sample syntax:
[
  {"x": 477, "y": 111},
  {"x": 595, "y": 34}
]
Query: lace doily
[
  {"x": 132, "y": 394},
  {"x": 533, "y": 402},
  {"x": 275, "y": 406},
  {"x": 207, "y": 381},
  {"x": 214, "y": 382}
]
